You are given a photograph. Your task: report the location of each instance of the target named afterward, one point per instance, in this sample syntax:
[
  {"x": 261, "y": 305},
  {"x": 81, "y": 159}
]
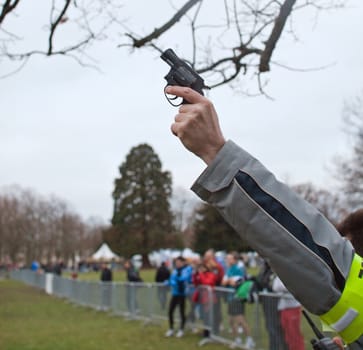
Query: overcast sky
[{"x": 65, "y": 129}]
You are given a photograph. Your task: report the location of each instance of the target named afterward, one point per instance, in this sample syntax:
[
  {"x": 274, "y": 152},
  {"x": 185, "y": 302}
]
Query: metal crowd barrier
[
  {"x": 3, "y": 273},
  {"x": 227, "y": 319}
]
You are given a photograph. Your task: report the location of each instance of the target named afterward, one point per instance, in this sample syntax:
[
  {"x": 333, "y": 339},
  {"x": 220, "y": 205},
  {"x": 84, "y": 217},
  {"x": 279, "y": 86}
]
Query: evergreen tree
[
  {"x": 142, "y": 216},
  {"x": 212, "y": 231}
]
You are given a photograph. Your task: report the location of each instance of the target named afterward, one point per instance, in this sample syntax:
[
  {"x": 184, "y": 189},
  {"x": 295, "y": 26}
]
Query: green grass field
[{"x": 32, "y": 320}]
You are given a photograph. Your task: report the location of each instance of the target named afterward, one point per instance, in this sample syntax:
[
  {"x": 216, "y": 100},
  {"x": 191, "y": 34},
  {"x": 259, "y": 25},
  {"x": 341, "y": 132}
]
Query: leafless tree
[
  {"x": 10, "y": 228},
  {"x": 183, "y": 206},
  {"x": 349, "y": 169},
  {"x": 331, "y": 205},
  {"x": 57, "y": 28},
  {"x": 232, "y": 38},
  {"x": 229, "y": 39},
  {"x": 90, "y": 236},
  {"x": 33, "y": 227}
]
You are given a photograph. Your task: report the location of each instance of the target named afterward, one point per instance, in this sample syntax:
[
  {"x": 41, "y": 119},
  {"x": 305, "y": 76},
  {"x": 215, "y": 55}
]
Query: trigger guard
[{"x": 170, "y": 99}]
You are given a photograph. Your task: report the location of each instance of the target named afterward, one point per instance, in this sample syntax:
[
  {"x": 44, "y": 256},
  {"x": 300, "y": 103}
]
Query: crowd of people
[{"x": 192, "y": 285}]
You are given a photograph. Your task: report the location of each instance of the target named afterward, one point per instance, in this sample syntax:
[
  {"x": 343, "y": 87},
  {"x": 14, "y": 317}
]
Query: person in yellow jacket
[{"x": 317, "y": 265}]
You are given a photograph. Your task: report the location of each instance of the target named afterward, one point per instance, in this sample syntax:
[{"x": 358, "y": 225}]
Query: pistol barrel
[{"x": 170, "y": 57}]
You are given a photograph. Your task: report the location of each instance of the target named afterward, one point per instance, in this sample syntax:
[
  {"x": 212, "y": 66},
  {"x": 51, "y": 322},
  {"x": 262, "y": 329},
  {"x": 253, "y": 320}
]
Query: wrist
[{"x": 212, "y": 152}]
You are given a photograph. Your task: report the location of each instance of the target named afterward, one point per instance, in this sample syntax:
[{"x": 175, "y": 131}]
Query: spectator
[
  {"x": 106, "y": 279},
  {"x": 215, "y": 267},
  {"x": 34, "y": 266},
  {"x": 269, "y": 303},
  {"x": 132, "y": 276},
  {"x": 206, "y": 297},
  {"x": 178, "y": 281},
  {"x": 290, "y": 316},
  {"x": 236, "y": 307},
  {"x": 58, "y": 266},
  {"x": 162, "y": 275},
  {"x": 106, "y": 273},
  {"x": 194, "y": 305},
  {"x": 48, "y": 267}
]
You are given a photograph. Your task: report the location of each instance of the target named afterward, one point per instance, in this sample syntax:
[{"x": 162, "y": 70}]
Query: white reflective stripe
[{"x": 345, "y": 320}]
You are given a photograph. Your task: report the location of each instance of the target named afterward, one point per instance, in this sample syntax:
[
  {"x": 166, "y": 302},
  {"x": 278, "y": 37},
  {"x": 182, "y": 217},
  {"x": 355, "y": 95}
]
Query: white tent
[
  {"x": 168, "y": 255},
  {"x": 104, "y": 253}
]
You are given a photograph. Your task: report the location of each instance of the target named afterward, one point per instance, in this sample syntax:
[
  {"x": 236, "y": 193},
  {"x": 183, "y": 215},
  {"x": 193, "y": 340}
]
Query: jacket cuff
[{"x": 221, "y": 172}]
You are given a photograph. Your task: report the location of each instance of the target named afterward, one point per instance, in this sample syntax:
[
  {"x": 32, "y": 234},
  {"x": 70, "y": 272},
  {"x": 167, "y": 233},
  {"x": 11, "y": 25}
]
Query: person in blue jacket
[{"x": 178, "y": 281}]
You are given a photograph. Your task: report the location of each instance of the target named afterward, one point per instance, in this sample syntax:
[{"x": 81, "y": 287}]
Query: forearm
[{"x": 302, "y": 247}]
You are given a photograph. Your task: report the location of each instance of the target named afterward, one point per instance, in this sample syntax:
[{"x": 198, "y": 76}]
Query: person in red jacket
[
  {"x": 216, "y": 267},
  {"x": 210, "y": 260},
  {"x": 202, "y": 279}
]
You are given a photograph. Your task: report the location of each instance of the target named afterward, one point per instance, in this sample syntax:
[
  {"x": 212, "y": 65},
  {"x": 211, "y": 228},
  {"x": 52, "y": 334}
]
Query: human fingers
[
  {"x": 186, "y": 93},
  {"x": 175, "y": 127},
  {"x": 179, "y": 117},
  {"x": 339, "y": 342}
]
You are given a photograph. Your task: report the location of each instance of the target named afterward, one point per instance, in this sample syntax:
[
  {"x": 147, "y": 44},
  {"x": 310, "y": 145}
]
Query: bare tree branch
[
  {"x": 239, "y": 41},
  {"x": 55, "y": 24},
  {"x": 7, "y": 8},
  {"x": 91, "y": 19},
  {"x": 18, "y": 69},
  {"x": 137, "y": 43},
  {"x": 64, "y": 52},
  {"x": 249, "y": 23},
  {"x": 280, "y": 21}
]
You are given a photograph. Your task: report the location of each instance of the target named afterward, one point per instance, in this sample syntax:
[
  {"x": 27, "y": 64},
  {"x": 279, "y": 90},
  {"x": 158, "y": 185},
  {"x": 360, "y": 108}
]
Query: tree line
[{"x": 33, "y": 227}]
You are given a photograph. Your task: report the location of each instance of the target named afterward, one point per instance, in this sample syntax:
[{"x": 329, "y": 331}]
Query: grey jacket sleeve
[{"x": 300, "y": 244}]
